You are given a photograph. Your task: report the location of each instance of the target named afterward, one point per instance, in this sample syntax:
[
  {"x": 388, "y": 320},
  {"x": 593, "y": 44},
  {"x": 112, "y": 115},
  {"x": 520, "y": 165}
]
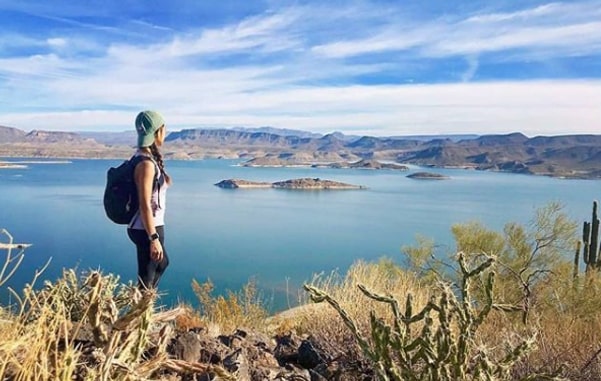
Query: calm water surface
[{"x": 279, "y": 237}]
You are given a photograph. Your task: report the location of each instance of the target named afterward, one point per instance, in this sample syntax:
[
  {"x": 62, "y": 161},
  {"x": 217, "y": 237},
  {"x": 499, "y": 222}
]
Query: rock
[
  {"x": 286, "y": 350},
  {"x": 253, "y": 349},
  {"x": 194, "y": 347},
  {"x": 308, "y": 355},
  {"x": 237, "y": 364},
  {"x": 427, "y": 176},
  {"x": 212, "y": 352},
  {"x": 187, "y": 347}
]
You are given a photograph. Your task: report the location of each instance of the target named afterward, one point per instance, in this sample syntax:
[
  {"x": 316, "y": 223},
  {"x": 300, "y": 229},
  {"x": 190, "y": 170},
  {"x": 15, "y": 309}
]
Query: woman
[{"x": 146, "y": 228}]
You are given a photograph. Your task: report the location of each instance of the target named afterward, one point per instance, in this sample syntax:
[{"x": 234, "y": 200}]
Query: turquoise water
[{"x": 279, "y": 237}]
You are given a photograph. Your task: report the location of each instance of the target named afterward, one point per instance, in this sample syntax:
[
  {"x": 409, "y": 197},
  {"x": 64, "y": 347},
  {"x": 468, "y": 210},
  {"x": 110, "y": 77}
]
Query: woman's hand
[{"x": 156, "y": 250}]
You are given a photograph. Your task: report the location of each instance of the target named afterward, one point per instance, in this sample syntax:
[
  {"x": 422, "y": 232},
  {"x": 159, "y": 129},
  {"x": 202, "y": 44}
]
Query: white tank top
[{"x": 158, "y": 201}]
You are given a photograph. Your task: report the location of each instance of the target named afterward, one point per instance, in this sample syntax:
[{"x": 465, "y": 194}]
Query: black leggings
[{"x": 149, "y": 271}]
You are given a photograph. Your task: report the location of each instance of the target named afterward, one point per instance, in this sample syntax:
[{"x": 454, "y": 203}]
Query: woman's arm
[{"x": 144, "y": 178}]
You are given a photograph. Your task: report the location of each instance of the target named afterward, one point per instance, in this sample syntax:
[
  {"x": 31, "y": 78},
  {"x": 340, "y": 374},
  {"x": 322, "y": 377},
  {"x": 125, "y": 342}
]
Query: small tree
[{"x": 526, "y": 255}]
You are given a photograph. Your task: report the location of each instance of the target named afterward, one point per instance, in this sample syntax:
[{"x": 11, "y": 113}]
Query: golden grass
[
  {"x": 323, "y": 322},
  {"x": 39, "y": 339},
  {"x": 243, "y": 309}
]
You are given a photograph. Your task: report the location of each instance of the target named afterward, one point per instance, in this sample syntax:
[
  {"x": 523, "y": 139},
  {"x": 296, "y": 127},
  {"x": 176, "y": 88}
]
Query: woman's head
[{"x": 150, "y": 127}]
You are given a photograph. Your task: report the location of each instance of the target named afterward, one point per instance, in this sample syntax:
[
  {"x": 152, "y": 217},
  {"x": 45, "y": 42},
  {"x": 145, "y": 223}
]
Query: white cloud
[
  {"x": 57, "y": 42},
  {"x": 545, "y": 10},
  {"x": 565, "y": 27},
  {"x": 585, "y": 38},
  {"x": 535, "y": 108},
  {"x": 293, "y": 69}
]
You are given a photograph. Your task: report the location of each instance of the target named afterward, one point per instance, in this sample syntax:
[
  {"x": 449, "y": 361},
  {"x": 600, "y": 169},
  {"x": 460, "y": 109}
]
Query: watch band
[{"x": 153, "y": 236}]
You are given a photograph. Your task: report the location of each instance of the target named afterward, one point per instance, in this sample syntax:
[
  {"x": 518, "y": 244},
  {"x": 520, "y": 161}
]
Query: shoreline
[
  {"x": 53, "y": 161},
  {"x": 12, "y": 166},
  {"x": 26, "y": 159},
  {"x": 23, "y": 164}
]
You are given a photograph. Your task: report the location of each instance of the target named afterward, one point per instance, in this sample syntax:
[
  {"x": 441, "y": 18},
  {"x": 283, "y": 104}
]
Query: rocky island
[
  {"x": 427, "y": 176},
  {"x": 306, "y": 183}
]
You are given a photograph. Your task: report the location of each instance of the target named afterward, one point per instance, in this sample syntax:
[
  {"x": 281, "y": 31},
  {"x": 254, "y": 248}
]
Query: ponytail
[{"x": 158, "y": 157}]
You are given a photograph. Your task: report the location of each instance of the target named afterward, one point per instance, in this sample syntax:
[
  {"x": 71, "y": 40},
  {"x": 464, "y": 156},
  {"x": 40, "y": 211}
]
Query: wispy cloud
[
  {"x": 471, "y": 70},
  {"x": 566, "y": 27},
  {"x": 359, "y": 68}
]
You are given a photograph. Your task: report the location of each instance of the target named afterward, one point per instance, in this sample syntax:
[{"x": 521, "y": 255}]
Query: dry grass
[
  {"x": 243, "y": 309},
  {"x": 41, "y": 338},
  {"x": 323, "y": 322},
  {"x": 567, "y": 329}
]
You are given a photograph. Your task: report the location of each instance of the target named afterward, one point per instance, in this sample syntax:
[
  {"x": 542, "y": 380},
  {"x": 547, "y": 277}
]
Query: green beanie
[{"x": 147, "y": 123}]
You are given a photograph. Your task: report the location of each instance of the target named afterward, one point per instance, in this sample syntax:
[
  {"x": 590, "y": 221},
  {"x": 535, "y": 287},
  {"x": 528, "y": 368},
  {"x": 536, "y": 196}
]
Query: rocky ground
[
  {"x": 244, "y": 355},
  {"x": 250, "y": 356}
]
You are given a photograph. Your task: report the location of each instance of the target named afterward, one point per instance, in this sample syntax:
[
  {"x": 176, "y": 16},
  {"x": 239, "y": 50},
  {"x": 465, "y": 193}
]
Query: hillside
[
  {"x": 572, "y": 156},
  {"x": 10, "y": 134}
]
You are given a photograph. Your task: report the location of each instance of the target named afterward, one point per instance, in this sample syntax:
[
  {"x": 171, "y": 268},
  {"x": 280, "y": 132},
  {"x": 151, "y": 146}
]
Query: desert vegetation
[{"x": 519, "y": 304}]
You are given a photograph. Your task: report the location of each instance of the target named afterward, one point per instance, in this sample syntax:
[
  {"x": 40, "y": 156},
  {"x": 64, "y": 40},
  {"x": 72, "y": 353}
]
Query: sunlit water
[{"x": 278, "y": 237}]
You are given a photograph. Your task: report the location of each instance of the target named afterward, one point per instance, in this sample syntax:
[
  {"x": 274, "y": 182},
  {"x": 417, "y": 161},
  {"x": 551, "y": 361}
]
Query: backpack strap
[
  {"x": 156, "y": 185},
  {"x": 137, "y": 159}
]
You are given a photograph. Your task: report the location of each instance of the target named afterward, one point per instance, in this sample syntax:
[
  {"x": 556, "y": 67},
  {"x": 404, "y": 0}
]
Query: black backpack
[{"x": 120, "y": 194}]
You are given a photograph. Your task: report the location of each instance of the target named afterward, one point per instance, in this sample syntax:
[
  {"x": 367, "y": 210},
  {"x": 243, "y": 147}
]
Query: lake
[{"x": 278, "y": 237}]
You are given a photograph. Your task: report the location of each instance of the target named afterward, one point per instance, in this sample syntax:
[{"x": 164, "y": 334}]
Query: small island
[
  {"x": 427, "y": 176},
  {"x": 306, "y": 183}
]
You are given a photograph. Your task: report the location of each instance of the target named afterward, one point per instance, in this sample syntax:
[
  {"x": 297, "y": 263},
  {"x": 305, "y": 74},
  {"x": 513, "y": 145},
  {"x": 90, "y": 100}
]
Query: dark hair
[{"x": 158, "y": 157}]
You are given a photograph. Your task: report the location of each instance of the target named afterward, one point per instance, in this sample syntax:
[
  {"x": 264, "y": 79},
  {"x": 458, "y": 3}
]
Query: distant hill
[
  {"x": 225, "y": 137},
  {"x": 11, "y": 134},
  {"x": 566, "y": 155},
  {"x": 112, "y": 138},
  {"x": 428, "y": 138},
  {"x": 278, "y": 131},
  {"x": 38, "y": 136},
  {"x": 52, "y": 144}
]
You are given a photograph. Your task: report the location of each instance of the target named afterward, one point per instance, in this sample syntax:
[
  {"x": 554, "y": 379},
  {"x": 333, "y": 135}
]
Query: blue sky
[{"x": 379, "y": 68}]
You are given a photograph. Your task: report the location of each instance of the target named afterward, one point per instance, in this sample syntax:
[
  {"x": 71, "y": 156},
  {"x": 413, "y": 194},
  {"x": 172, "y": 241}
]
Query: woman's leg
[
  {"x": 149, "y": 271},
  {"x": 161, "y": 266}
]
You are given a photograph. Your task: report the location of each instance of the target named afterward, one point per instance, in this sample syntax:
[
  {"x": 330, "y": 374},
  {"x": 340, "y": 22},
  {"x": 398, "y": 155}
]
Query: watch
[{"x": 153, "y": 236}]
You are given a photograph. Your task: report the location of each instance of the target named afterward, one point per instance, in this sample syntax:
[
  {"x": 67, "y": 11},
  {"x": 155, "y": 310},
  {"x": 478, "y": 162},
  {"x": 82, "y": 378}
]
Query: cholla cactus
[{"x": 446, "y": 347}]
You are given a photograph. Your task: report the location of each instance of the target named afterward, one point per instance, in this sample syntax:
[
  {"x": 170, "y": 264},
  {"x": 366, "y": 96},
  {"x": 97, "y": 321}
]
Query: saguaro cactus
[{"x": 590, "y": 243}]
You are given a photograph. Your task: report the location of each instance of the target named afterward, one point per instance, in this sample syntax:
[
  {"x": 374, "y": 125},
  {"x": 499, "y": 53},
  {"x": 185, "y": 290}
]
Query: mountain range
[{"x": 572, "y": 156}]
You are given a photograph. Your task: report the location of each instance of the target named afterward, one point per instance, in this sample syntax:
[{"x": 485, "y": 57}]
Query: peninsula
[
  {"x": 319, "y": 161},
  {"x": 4, "y": 165},
  {"x": 306, "y": 183}
]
